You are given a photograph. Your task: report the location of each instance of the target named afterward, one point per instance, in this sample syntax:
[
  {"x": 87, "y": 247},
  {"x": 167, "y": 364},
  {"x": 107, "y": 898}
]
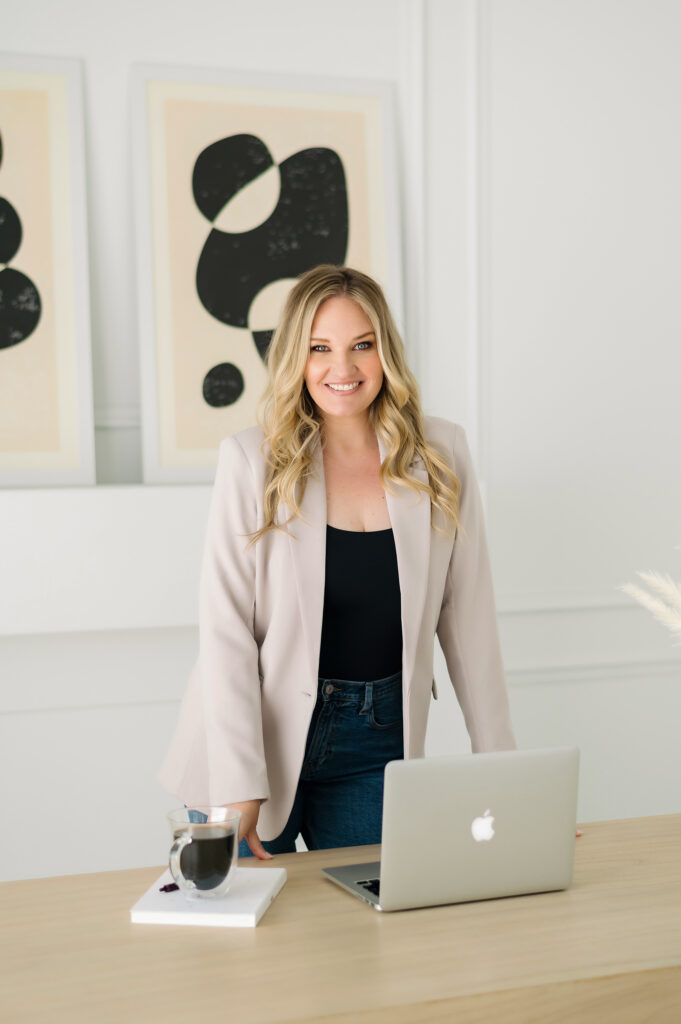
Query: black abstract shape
[
  {"x": 20, "y": 307},
  {"x": 10, "y": 231},
  {"x": 223, "y": 385},
  {"x": 262, "y": 340},
  {"x": 308, "y": 226},
  {"x": 224, "y": 168}
]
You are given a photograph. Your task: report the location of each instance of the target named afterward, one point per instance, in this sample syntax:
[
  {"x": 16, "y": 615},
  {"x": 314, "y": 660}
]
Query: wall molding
[
  {"x": 565, "y": 675},
  {"x": 118, "y": 417},
  {"x": 544, "y": 675},
  {"x": 60, "y": 709},
  {"x": 538, "y": 604},
  {"x": 476, "y": 139},
  {"x": 412, "y": 136}
]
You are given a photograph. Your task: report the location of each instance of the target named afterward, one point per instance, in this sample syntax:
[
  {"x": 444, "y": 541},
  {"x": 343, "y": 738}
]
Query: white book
[{"x": 250, "y": 894}]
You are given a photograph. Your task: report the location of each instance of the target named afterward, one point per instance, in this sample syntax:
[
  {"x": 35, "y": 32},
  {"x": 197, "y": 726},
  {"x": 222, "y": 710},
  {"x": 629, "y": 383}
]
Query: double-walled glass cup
[{"x": 205, "y": 849}]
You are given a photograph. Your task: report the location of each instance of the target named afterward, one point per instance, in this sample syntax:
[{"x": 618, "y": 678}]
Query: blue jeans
[{"x": 356, "y": 729}]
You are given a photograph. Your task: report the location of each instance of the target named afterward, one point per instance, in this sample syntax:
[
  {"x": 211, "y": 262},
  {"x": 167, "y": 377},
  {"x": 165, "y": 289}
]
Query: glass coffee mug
[{"x": 204, "y": 852}]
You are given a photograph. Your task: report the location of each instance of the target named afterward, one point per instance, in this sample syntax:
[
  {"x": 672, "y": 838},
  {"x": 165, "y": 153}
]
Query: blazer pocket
[{"x": 434, "y": 689}]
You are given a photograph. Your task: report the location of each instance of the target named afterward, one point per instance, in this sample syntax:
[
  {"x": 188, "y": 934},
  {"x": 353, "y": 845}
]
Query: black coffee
[{"x": 206, "y": 860}]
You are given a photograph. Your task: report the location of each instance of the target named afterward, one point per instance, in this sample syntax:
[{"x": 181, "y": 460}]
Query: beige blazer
[{"x": 245, "y": 716}]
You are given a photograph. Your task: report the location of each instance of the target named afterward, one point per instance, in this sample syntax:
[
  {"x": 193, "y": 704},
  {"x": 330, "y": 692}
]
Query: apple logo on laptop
[{"x": 482, "y": 828}]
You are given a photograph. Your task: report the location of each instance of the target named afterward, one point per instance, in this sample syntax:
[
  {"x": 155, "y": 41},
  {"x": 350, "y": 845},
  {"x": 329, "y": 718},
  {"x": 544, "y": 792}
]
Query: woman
[{"x": 342, "y": 535}]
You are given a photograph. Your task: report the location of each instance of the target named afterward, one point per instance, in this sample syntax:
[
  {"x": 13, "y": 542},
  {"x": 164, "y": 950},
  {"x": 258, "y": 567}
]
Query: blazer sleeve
[
  {"x": 228, "y": 652},
  {"x": 467, "y": 624}
]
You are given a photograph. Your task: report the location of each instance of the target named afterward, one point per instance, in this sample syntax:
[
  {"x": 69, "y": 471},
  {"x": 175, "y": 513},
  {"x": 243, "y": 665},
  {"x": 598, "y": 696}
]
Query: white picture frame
[
  {"x": 46, "y": 410},
  {"x": 179, "y": 115}
]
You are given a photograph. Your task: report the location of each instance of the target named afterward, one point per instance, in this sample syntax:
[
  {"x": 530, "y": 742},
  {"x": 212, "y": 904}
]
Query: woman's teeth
[{"x": 344, "y": 387}]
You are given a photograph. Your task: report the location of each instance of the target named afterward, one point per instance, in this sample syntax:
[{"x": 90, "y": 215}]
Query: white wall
[
  {"x": 581, "y": 222},
  {"x": 541, "y": 250}
]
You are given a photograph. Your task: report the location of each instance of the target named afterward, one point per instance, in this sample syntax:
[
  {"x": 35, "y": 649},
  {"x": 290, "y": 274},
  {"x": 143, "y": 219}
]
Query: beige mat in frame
[{"x": 46, "y": 419}]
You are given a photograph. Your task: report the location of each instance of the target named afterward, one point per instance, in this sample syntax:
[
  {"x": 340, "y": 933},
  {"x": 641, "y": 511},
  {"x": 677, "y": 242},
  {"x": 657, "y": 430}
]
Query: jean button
[{"x": 329, "y": 688}]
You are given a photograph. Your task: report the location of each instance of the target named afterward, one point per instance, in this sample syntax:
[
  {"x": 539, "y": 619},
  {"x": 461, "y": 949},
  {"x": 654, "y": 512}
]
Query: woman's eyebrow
[{"x": 358, "y": 338}]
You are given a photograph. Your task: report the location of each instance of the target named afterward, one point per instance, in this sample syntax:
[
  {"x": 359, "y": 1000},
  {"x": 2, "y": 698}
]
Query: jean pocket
[{"x": 386, "y": 712}]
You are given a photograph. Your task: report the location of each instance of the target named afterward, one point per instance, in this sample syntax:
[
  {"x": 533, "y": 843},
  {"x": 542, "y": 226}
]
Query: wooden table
[{"x": 608, "y": 949}]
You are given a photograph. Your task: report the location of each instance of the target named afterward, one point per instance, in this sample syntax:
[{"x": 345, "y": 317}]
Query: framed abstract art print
[
  {"x": 243, "y": 182},
  {"x": 46, "y": 420}
]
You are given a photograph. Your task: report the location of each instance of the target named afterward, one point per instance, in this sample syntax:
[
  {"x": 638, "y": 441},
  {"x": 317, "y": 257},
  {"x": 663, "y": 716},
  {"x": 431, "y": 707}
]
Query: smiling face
[{"x": 344, "y": 372}]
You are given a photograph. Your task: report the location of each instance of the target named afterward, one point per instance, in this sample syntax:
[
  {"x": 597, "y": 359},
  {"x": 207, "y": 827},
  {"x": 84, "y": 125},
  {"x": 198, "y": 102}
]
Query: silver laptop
[{"x": 471, "y": 827}]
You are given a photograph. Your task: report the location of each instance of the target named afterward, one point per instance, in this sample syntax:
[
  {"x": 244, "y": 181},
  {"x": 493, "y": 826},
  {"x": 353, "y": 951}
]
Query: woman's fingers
[
  {"x": 250, "y": 811},
  {"x": 257, "y": 849},
  {"x": 579, "y": 833}
]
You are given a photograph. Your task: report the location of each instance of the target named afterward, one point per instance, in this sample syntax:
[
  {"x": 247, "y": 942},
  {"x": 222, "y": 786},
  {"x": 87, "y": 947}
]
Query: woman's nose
[{"x": 344, "y": 365}]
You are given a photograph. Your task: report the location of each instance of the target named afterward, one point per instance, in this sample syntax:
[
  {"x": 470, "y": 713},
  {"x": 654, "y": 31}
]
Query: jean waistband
[{"x": 356, "y": 687}]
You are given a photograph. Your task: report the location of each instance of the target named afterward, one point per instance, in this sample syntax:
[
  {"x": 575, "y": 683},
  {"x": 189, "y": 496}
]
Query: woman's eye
[{"x": 361, "y": 345}]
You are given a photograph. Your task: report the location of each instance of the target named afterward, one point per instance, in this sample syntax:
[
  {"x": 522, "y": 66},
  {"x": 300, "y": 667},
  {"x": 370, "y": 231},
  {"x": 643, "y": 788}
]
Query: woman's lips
[{"x": 344, "y": 391}]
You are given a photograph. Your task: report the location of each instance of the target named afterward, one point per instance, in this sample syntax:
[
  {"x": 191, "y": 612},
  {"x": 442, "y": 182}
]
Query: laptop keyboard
[{"x": 372, "y": 884}]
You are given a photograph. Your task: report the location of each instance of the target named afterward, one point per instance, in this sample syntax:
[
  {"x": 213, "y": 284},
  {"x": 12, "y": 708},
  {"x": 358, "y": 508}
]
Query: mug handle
[{"x": 174, "y": 862}]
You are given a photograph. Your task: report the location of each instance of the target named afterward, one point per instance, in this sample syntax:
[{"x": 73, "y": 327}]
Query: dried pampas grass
[{"x": 663, "y": 598}]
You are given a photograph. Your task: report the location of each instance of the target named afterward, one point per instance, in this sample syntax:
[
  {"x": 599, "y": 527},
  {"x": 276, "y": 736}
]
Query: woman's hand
[
  {"x": 250, "y": 809},
  {"x": 579, "y": 833}
]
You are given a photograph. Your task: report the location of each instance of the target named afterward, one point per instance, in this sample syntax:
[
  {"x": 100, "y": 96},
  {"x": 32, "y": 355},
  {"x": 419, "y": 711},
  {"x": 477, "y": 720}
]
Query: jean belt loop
[{"x": 368, "y": 694}]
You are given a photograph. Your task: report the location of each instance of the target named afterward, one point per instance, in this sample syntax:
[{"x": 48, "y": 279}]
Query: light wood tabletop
[{"x": 607, "y": 949}]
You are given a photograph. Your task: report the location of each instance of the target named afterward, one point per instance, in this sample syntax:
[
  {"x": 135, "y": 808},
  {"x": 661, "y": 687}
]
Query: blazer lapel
[{"x": 409, "y": 514}]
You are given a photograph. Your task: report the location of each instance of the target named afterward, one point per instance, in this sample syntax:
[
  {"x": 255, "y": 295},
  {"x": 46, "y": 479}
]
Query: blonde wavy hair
[{"x": 291, "y": 422}]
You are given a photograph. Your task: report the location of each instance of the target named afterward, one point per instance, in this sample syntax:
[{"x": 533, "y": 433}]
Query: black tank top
[{"x": 362, "y": 624}]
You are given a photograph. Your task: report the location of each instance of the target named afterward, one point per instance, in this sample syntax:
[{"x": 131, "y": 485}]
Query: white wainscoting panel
[
  {"x": 85, "y": 719},
  {"x": 623, "y": 719},
  {"x": 101, "y": 557},
  {"x": 581, "y": 208},
  {"x": 81, "y": 783}
]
